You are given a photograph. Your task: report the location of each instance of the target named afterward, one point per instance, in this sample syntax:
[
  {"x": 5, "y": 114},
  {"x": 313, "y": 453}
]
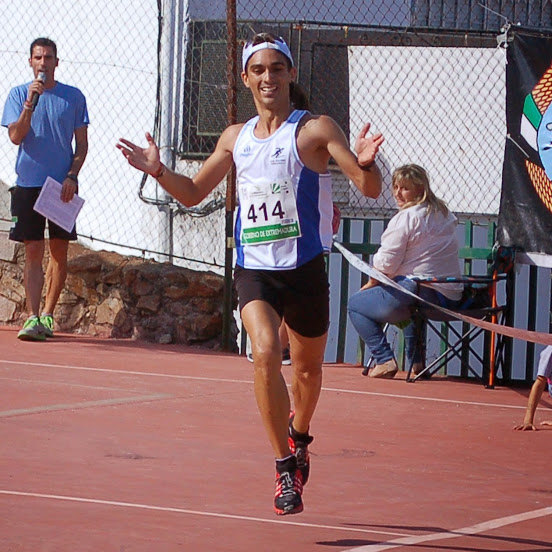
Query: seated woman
[{"x": 420, "y": 240}]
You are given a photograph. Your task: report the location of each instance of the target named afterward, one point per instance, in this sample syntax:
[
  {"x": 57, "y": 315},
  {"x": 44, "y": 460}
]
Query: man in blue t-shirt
[{"x": 43, "y": 117}]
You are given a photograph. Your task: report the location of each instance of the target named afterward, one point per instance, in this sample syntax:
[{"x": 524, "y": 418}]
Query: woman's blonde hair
[{"x": 418, "y": 176}]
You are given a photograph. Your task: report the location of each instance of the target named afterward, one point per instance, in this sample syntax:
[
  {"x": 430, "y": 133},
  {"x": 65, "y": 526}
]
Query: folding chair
[{"x": 479, "y": 301}]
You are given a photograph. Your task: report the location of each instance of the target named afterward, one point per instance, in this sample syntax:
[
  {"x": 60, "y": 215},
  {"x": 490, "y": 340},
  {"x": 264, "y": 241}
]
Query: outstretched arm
[
  {"x": 534, "y": 397},
  {"x": 189, "y": 191}
]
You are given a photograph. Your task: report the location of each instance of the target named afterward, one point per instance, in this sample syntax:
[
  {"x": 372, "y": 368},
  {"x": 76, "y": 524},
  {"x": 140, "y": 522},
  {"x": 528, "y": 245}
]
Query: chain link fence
[
  {"x": 429, "y": 75},
  {"x": 123, "y": 56},
  {"x": 439, "y": 106}
]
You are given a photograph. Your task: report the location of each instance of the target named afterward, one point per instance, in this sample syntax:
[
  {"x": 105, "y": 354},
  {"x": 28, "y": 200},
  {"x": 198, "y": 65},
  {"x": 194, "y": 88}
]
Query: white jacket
[{"x": 417, "y": 244}]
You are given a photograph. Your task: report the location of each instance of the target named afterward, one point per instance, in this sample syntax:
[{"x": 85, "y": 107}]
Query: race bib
[{"x": 268, "y": 212}]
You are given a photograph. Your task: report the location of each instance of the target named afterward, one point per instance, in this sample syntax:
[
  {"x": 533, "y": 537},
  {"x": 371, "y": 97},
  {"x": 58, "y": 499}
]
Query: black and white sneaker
[
  {"x": 299, "y": 446},
  {"x": 286, "y": 357},
  {"x": 289, "y": 487}
]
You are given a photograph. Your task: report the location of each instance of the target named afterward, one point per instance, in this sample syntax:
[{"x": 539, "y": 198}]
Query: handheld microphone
[{"x": 34, "y": 98}]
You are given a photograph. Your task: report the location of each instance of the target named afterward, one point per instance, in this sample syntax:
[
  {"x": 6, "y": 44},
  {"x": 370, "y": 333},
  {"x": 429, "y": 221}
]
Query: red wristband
[
  {"x": 366, "y": 167},
  {"x": 160, "y": 171}
]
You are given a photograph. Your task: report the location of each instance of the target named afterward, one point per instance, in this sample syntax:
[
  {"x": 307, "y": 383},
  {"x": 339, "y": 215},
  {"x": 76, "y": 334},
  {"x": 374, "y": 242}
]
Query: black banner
[{"x": 525, "y": 216}]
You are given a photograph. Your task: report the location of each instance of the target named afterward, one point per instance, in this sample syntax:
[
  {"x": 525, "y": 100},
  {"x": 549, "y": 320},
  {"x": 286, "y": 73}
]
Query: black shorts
[
  {"x": 27, "y": 224},
  {"x": 300, "y": 296}
]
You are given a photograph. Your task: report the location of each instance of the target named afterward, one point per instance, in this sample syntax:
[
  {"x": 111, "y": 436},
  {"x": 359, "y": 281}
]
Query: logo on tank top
[
  {"x": 278, "y": 157},
  {"x": 246, "y": 152}
]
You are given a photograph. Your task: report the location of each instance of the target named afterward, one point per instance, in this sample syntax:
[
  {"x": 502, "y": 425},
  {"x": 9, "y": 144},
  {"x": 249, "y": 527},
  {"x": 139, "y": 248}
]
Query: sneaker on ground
[
  {"x": 48, "y": 322},
  {"x": 32, "y": 330},
  {"x": 299, "y": 446},
  {"x": 289, "y": 488},
  {"x": 286, "y": 357}
]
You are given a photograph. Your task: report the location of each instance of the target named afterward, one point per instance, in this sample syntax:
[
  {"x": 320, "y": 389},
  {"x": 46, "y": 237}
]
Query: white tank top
[{"x": 284, "y": 217}]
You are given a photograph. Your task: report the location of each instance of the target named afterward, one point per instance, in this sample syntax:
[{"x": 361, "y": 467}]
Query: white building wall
[{"x": 109, "y": 50}]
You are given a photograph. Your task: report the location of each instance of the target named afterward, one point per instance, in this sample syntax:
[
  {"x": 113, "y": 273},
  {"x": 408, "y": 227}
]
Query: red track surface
[{"x": 119, "y": 446}]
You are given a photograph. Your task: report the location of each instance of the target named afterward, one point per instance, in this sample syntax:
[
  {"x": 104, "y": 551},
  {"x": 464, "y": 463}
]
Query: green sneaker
[
  {"x": 47, "y": 321},
  {"x": 32, "y": 330}
]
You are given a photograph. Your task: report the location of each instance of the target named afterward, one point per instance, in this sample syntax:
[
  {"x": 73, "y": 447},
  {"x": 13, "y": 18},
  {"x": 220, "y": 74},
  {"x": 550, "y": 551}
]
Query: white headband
[{"x": 279, "y": 44}]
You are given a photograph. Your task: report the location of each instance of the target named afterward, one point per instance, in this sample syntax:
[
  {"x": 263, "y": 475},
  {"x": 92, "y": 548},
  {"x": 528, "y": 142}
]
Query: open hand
[
  {"x": 366, "y": 147},
  {"x": 143, "y": 159},
  {"x": 372, "y": 282},
  {"x": 525, "y": 427}
]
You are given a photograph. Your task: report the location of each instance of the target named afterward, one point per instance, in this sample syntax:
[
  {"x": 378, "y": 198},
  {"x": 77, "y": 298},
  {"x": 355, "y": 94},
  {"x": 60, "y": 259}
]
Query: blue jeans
[{"x": 370, "y": 309}]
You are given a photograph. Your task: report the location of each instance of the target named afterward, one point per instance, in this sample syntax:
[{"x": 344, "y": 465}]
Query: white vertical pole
[{"x": 168, "y": 25}]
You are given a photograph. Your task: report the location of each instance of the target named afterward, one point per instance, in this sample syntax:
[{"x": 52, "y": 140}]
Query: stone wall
[
  {"x": 107, "y": 294},
  {"x": 110, "y": 295}
]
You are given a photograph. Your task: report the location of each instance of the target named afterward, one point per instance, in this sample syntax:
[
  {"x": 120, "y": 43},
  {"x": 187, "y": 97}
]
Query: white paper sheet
[{"x": 49, "y": 205}]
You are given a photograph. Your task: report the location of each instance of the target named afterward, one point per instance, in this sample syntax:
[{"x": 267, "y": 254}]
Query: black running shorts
[
  {"x": 300, "y": 296},
  {"x": 27, "y": 224}
]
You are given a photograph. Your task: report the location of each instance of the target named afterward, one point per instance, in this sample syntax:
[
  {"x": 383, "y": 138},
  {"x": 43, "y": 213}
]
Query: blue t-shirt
[{"x": 47, "y": 148}]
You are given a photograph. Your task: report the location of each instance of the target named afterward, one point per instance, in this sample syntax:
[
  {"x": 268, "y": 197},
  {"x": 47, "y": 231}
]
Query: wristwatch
[{"x": 73, "y": 177}]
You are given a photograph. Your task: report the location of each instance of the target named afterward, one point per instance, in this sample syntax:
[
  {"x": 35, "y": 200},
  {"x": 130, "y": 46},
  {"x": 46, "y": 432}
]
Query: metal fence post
[{"x": 231, "y": 70}]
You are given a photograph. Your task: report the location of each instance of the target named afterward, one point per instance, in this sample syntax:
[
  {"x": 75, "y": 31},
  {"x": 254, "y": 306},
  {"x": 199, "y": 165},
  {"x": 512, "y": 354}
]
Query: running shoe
[
  {"x": 286, "y": 357},
  {"x": 48, "y": 322},
  {"x": 32, "y": 330},
  {"x": 289, "y": 488},
  {"x": 299, "y": 446}
]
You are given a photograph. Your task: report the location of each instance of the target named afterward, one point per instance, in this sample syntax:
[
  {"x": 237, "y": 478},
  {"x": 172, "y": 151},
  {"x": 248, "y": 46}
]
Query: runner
[{"x": 283, "y": 227}]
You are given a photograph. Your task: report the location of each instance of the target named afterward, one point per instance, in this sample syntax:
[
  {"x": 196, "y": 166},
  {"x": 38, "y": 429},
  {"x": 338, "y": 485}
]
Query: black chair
[{"x": 479, "y": 301}]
